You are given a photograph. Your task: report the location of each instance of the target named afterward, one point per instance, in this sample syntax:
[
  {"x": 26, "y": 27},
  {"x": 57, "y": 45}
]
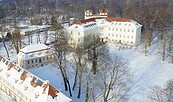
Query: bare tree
[
  {"x": 80, "y": 61},
  {"x": 61, "y": 46},
  {"x": 111, "y": 81},
  {"x": 97, "y": 50},
  {"x": 16, "y": 40},
  {"x": 3, "y": 38},
  {"x": 165, "y": 94}
]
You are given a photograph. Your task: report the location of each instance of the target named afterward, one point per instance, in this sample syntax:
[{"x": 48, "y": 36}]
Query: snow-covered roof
[
  {"x": 34, "y": 48},
  {"x": 34, "y": 88},
  {"x": 33, "y": 51}
]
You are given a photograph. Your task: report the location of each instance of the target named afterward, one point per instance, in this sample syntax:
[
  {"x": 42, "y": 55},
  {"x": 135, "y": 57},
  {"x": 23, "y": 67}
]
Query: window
[
  {"x": 28, "y": 62},
  {"x": 116, "y": 35},
  {"x": 132, "y": 37},
  {"x": 78, "y": 33},
  {"x": 35, "y": 60},
  {"x": 120, "y": 36},
  {"x": 109, "y": 34},
  {"x": 132, "y": 30},
  {"x": 71, "y": 32},
  {"x": 109, "y": 28},
  {"x": 113, "y": 29},
  {"x": 39, "y": 60},
  {"x": 124, "y": 30},
  {"x": 124, "y": 36},
  {"x": 116, "y": 29},
  {"x": 127, "y": 36},
  {"x": 128, "y": 30},
  {"x": 32, "y": 61},
  {"x": 112, "y": 34},
  {"x": 78, "y": 40}
]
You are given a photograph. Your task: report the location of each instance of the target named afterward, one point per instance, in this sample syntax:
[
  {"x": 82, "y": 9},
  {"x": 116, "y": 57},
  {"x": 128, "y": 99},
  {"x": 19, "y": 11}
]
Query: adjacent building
[
  {"x": 33, "y": 56},
  {"x": 101, "y": 13},
  {"x": 23, "y": 86}
]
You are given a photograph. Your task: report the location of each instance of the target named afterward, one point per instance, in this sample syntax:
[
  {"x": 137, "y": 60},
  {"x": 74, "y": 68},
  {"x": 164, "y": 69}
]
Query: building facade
[
  {"x": 33, "y": 56},
  {"x": 113, "y": 30},
  {"x": 23, "y": 86}
]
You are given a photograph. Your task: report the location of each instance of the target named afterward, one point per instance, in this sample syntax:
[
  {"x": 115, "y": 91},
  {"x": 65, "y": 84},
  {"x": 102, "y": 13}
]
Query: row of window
[
  {"x": 121, "y": 41},
  {"x": 120, "y": 29},
  {"x": 124, "y": 36},
  {"x": 90, "y": 25},
  {"x": 39, "y": 60},
  {"x": 121, "y": 24}
]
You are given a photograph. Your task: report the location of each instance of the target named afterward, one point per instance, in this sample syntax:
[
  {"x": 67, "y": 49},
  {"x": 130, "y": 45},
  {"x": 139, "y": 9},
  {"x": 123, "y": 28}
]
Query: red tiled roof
[
  {"x": 86, "y": 20},
  {"x": 52, "y": 91},
  {"x": 118, "y": 19},
  {"x": 109, "y": 19}
]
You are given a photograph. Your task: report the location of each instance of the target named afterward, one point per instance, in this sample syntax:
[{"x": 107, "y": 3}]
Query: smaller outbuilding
[{"x": 36, "y": 55}]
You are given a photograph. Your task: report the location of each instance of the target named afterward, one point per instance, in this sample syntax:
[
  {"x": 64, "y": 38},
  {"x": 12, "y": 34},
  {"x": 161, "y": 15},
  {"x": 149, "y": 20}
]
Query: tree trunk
[
  {"x": 163, "y": 57},
  {"x": 79, "y": 91},
  {"x": 75, "y": 80},
  {"x": 69, "y": 88},
  {"x": 170, "y": 44},
  {"x": 145, "y": 49},
  {"x": 64, "y": 77},
  {"x": 105, "y": 99},
  {"x": 94, "y": 60},
  {"x": 6, "y": 50},
  {"x": 87, "y": 92}
]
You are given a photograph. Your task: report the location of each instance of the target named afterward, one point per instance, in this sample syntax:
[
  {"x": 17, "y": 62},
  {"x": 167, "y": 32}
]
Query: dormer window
[{"x": 76, "y": 26}]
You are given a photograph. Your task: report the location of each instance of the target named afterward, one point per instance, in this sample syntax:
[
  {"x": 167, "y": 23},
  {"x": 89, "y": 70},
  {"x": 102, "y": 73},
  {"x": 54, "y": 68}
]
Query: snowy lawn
[{"x": 147, "y": 71}]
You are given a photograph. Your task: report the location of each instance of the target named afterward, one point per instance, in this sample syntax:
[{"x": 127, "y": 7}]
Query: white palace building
[
  {"x": 113, "y": 30},
  {"x": 23, "y": 86}
]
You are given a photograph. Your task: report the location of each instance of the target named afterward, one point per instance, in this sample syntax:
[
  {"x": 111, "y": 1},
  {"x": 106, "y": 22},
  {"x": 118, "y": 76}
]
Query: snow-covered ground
[{"x": 147, "y": 71}]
